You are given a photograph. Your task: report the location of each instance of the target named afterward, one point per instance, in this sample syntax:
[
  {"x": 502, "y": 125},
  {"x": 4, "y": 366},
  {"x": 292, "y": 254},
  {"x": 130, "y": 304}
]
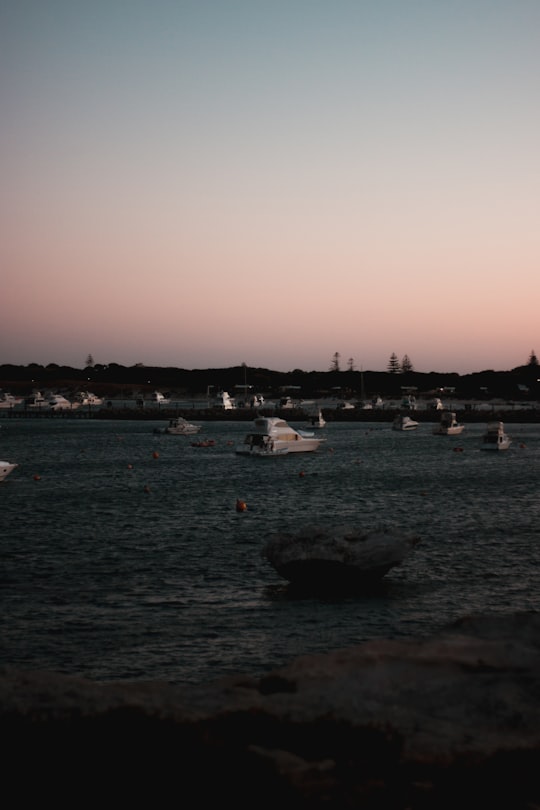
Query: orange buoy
[
  {"x": 241, "y": 506},
  {"x": 301, "y": 474},
  {"x": 130, "y": 466},
  {"x": 155, "y": 454},
  {"x": 37, "y": 477}
]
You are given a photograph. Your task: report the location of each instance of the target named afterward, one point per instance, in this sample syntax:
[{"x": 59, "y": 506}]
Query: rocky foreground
[{"x": 451, "y": 721}]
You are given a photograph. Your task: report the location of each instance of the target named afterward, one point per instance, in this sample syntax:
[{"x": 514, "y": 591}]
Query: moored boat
[
  {"x": 318, "y": 420},
  {"x": 403, "y": 422},
  {"x": 36, "y": 401},
  {"x": 181, "y": 427},
  {"x": 5, "y": 469},
  {"x": 58, "y": 402},
  {"x": 495, "y": 437},
  {"x": 157, "y": 396},
  {"x": 273, "y": 436},
  {"x": 87, "y": 398},
  {"x": 448, "y": 426},
  {"x": 7, "y": 400}
]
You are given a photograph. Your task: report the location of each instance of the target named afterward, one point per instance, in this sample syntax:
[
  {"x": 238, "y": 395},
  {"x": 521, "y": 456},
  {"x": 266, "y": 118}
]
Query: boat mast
[{"x": 362, "y": 388}]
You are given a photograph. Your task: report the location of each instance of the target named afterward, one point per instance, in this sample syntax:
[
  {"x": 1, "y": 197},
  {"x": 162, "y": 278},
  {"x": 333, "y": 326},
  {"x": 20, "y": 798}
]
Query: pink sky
[{"x": 204, "y": 184}]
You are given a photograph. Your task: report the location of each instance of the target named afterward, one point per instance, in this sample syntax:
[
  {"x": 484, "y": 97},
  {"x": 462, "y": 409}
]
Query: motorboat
[
  {"x": 7, "y": 400},
  {"x": 5, "y": 469},
  {"x": 286, "y": 402},
  {"x": 225, "y": 401},
  {"x": 181, "y": 427},
  {"x": 495, "y": 437},
  {"x": 448, "y": 426},
  {"x": 58, "y": 402},
  {"x": 87, "y": 398},
  {"x": 37, "y": 401},
  {"x": 273, "y": 436},
  {"x": 318, "y": 420},
  {"x": 157, "y": 396},
  {"x": 402, "y": 422}
]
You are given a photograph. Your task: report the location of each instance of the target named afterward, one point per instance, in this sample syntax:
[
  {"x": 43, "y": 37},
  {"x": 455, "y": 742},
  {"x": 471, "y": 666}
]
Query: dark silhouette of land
[{"x": 521, "y": 384}]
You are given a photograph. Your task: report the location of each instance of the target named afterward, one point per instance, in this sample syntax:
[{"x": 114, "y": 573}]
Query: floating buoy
[
  {"x": 241, "y": 506},
  {"x": 147, "y": 489},
  {"x": 458, "y": 449},
  {"x": 301, "y": 474},
  {"x": 130, "y": 466},
  {"x": 37, "y": 477},
  {"x": 155, "y": 454},
  {"x": 522, "y": 445}
]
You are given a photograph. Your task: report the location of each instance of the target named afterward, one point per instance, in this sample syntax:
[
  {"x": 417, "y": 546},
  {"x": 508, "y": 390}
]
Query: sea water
[{"x": 123, "y": 555}]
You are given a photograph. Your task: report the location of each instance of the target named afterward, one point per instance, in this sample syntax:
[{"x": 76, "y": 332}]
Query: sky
[{"x": 206, "y": 183}]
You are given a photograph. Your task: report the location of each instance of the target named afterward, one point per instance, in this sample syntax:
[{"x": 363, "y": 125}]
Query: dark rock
[
  {"x": 443, "y": 722},
  {"x": 327, "y": 558}
]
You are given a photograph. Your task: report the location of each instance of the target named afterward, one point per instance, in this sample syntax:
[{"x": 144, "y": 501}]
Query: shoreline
[{"x": 331, "y": 415}]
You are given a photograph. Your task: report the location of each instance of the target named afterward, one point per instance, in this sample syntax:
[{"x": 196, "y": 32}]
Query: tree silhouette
[
  {"x": 335, "y": 362},
  {"x": 393, "y": 364},
  {"x": 406, "y": 364},
  {"x": 89, "y": 361},
  {"x": 350, "y": 364},
  {"x": 533, "y": 359}
]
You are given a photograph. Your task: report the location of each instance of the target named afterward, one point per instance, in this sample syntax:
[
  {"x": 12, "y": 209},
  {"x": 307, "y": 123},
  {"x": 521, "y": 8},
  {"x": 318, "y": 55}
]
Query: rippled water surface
[{"x": 123, "y": 556}]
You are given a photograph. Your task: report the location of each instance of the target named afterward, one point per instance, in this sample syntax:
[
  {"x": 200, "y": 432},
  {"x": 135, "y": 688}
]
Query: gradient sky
[{"x": 205, "y": 183}]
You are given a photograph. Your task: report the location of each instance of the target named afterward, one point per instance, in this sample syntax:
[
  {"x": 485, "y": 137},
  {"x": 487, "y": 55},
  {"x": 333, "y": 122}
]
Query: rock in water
[{"x": 344, "y": 555}]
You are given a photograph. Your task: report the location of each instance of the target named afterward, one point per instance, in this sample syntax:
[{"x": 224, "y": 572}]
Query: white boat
[
  {"x": 448, "y": 426},
  {"x": 7, "y": 400},
  {"x": 181, "y": 427},
  {"x": 57, "y": 402},
  {"x": 87, "y": 398},
  {"x": 495, "y": 438},
  {"x": 402, "y": 422},
  {"x": 286, "y": 402},
  {"x": 318, "y": 420},
  {"x": 157, "y": 396},
  {"x": 5, "y": 469},
  {"x": 225, "y": 401},
  {"x": 36, "y": 400},
  {"x": 272, "y": 436}
]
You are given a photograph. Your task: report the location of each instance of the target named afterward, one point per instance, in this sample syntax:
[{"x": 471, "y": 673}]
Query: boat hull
[
  {"x": 5, "y": 469},
  {"x": 181, "y": 427},
  {"x": 274, "y": 437},
  {"x": 404, "y": 423},
  {"x": 495, "y": 438},
  {"x": 494, "y": 447},
  {"x": 451, "y": 431}
]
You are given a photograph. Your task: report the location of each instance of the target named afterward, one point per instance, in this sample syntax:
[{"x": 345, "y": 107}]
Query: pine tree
[
  {"x": 393, "y": 364},
  {"x": 350, "y": 364},
  {"x": 406, "y": 364},
  {"x": 335, "y": 362},
  {"x": 89, "y": 361},
  {"x": 533, "y": 359}
]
